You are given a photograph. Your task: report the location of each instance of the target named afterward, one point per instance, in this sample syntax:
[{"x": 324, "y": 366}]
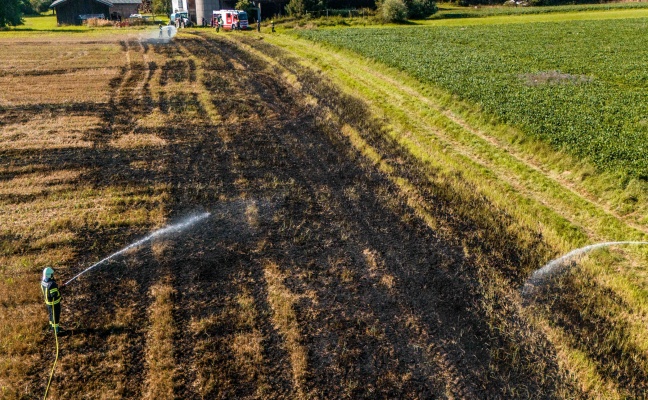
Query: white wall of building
[
  {"x": 204, "y": 9},
  {"x": 178, "y": 5}
]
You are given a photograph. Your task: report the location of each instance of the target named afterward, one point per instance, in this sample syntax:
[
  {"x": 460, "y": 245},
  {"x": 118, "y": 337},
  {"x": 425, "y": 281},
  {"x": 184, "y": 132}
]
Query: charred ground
[{"x": 315, "y": 277}]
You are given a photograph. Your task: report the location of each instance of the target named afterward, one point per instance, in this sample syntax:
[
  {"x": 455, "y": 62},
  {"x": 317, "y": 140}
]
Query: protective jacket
[{"x": 52, "y": 297}]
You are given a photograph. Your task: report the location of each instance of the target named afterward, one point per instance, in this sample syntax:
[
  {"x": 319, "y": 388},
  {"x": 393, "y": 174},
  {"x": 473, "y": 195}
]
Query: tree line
[{"x": 12, "y": 11}]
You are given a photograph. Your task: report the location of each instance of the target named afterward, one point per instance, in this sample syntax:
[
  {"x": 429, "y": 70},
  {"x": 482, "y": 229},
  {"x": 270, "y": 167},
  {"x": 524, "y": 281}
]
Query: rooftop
[{"x": 109, "y": 3}]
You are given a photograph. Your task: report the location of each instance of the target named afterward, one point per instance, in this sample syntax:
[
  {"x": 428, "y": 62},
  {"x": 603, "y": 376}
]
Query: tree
[
  {"x": 41, "y": 5},
  {"x": 393, "y": 10},
  {"x": 26, "y": 8},
  {"x": 10, "y": 13},
  {"x": 162, "y": 7},
  {"x": 419, "y": 9},
  {"x": 246, "y": 6},
  {"x": 296, "y": 8}
]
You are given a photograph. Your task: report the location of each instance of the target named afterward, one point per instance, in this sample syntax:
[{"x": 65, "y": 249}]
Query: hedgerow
[{"x": 581, "y": 86}]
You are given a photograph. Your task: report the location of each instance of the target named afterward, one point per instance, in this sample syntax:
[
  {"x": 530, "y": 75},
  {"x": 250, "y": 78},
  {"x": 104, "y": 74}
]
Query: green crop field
[{"x": 580, "y": 86}]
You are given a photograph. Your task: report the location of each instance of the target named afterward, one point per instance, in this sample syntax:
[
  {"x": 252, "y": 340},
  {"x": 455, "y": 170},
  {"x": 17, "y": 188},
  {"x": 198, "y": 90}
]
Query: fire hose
[
  {"x": 49, "y": 382},
  {"x": 169, "y": 229}
]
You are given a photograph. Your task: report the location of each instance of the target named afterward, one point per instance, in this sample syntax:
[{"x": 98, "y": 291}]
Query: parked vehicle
[
  {"x": 230, "y": 19},
  {"x": 180, "y": 19}
]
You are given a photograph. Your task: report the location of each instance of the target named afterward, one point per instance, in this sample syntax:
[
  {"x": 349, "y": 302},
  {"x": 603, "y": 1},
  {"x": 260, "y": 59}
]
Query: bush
[
  {"x": 419, "y": 9},
  {"x": 393, "y": 10},
  {"x": 43, "y": 6},
  {"x": 296, "y": 8}
]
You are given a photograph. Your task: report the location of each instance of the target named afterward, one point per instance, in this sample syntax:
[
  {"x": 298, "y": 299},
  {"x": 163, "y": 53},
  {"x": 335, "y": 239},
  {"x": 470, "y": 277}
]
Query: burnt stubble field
[{"x": 316, "y": 276}]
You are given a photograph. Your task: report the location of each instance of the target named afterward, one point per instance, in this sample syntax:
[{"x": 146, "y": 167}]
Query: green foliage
[
  {"x": 246, "y": 6},
  {"x": 10, "y": 13},
  {"x": 578, "y": 85},
  {"x": 419, "y": 9},
  {"x": 26, "y": 8},
  {"x": 162, "y": 7},
  {"x": 296, "y": 8},
  {"x": 35, "y": 7},
  {"x": 393, "y": 10},
  {"x": 41, "y": 5}
]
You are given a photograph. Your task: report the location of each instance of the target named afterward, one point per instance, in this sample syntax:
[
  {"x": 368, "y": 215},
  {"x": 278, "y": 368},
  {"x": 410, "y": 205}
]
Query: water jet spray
[
  {"x": 163, "y": 34},
  {"x": 557, "y": 266},
  {"x": 160, "y": 232}
]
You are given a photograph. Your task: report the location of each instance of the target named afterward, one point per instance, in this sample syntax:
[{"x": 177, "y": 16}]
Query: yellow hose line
[{"x": 53, "y": 366}]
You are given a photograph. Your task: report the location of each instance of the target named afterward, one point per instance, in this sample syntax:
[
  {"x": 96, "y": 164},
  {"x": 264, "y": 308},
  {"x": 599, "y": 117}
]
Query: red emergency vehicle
[{"x": 230, "y": 19}]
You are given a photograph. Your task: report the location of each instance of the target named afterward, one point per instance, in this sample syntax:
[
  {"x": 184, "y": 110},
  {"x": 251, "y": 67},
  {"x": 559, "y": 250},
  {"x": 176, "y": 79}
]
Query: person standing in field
[
  {"x": 52, "y": 297},
  {"x": 258, "y": 25}
]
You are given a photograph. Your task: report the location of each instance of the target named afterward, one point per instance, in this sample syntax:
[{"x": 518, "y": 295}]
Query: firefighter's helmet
[{"x": 48, "y": 273}]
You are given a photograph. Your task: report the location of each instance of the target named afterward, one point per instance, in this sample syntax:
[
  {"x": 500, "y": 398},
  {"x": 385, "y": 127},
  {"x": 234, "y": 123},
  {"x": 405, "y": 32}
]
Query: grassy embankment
[{"x": 570, "y": 200}]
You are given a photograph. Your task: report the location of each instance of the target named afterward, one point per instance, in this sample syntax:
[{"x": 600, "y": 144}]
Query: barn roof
[{"x": 109, "y": 3}]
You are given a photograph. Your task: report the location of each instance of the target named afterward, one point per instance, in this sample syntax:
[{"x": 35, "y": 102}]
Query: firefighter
[{"x": 52, "y": 297}]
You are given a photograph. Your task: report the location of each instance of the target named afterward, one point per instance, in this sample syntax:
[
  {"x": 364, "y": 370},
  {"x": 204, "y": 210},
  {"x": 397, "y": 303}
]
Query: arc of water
[
  {"x": 556, "y": 266},
  {"x": 160, "y": 232}
]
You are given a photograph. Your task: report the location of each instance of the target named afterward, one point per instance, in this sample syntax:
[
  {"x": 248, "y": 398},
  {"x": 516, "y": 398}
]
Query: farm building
[{"x": 74, "y": 12}]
